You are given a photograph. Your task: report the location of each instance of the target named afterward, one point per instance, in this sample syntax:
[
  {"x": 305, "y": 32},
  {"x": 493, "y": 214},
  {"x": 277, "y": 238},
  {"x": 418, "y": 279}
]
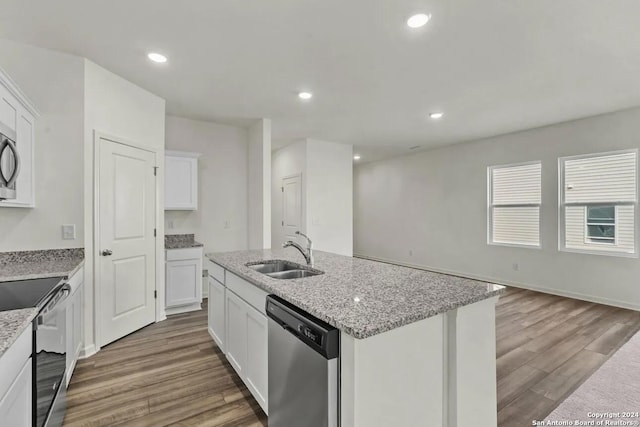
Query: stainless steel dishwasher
[{"x": 304, "y": 368}]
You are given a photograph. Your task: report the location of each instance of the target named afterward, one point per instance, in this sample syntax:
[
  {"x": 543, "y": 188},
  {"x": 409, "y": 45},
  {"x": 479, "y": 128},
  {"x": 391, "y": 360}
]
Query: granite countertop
[
  {"x": 180, "y": 241},
  {"x": 360, "y": 297},
  {"x": 12, "y": 323},
  {"x": 24, "y": 265}
]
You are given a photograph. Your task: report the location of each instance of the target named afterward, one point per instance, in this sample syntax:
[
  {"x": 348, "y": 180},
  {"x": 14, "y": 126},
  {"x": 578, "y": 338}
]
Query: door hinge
[
  {"x": 155, "y": 232},
  {"x": 155, "y": 294},
  {"x": 283, "y": 223},
  {"x": 282, "y": 189},
  {"x": 155, "y": 171}
]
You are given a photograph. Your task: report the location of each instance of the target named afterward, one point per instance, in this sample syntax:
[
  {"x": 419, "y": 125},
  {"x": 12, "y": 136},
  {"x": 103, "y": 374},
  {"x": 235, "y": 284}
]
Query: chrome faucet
[{"x": 307, "y": 254}]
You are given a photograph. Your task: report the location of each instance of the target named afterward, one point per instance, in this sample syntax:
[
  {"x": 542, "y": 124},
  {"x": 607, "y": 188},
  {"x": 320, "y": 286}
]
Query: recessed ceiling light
[
  {"x": 305, "y": 95},
  {"x": 436, "y": 115},
  {"x": 157, "y": 57},
  {"x": 418, "y": 20},
  {"x": 356, "y": 157}
]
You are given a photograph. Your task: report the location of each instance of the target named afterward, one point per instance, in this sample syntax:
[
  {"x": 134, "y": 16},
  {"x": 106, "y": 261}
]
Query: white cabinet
[
  {"x": 15, "y": 405},
  {"x": 18, "y": 114},
  {"x": 236, "y": 332},
  {"x": 217, "y": 295},
  {"x": 181, "y": 181},
  {"x": 15, "y": 382},
  {"x": 238, "y": 324},
  {"x": 183, "y": 280},
  {"x": 75, "y": 322},
  {"x": 256, "y": 365}
]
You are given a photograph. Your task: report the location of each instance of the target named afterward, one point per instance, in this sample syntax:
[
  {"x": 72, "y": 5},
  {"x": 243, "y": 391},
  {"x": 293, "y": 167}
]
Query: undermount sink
[
  {"x": 294, "y": 274},
  {"x": 283, "y": 269},
  {"x": 274, "y": 267}
]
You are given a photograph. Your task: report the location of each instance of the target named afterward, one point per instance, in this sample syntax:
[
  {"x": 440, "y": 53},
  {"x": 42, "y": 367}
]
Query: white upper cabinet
[
  {"x": 181, "y": 181},
  {"x": 18, "y": 114}
]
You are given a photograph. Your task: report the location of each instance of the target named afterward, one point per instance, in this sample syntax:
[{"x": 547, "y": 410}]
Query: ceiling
[{"x": 492, "y": 66}]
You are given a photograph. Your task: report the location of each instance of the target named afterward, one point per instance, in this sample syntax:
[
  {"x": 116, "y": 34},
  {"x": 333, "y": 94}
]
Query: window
[
  {"x": 598, "y": 197},
  {"x": 514, "y": 204}
]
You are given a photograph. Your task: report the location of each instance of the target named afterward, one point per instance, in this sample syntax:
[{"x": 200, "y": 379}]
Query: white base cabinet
[
  {"x": 217, "y": 304},
  {"x": 183, "y": 280},
  {"x": 75, "y": 322},
  {"x": 16, "y": 382},
  {"x": 238, "y": 324}
]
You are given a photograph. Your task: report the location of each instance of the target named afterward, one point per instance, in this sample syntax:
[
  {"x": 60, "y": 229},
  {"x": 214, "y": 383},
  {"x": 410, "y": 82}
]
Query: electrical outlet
[
  {"x": 68, "y": 231},
  {"x": 171, "y": 224},
  {"x": 410, "y": 252},
  {"x": 515, "y": 266},
  {"x": 227, "y": 224}
]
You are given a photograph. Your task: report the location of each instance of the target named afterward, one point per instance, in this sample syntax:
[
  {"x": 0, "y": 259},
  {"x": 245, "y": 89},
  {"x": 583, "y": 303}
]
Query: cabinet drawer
[
  {"x": 247, "y": 291},
  {"x": 215, "y": 271},
  {"x": 186, "y": 253}
]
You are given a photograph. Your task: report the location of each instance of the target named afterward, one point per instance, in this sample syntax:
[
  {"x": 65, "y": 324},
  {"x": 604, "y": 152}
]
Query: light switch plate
[{"x": 68, "y": 231}]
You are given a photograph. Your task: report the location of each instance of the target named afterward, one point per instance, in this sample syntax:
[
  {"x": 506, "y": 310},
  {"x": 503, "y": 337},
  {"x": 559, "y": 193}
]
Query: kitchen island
[{"x": 417, "y": 347}]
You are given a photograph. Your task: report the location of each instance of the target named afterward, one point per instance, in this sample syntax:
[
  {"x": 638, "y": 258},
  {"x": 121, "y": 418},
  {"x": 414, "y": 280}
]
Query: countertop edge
[
  {"x": 66, "y": 274},
  {"x": 364, "y": 333},
  {"x": 25, "y": 323}
]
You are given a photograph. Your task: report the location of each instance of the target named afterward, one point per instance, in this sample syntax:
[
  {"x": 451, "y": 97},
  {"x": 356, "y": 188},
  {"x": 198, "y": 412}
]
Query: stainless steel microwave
[{"x": 9, "y": 163}]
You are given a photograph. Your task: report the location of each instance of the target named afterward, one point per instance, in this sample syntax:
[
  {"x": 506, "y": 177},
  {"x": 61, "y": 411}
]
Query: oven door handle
[
  {"x": 16, "y": 156},
  {"x": 62, "y": 292}
]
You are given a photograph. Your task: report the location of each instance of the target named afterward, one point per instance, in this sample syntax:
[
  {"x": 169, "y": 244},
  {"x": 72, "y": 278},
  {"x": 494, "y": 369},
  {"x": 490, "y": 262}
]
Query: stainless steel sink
[
  {"x": 294, "y": 274},
  {"x": 279, "y": 269},
  {"x": 273, "y": 267}
]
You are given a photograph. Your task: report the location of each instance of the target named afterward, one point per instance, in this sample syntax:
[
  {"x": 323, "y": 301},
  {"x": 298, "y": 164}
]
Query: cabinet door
[
  {"x": 182, "y": 283},
  {"x": 15, "y": 405},
  {"x": 181, "y": 183},
  {"x": 217, "y": 312},
  {"x": 256, "y": 369},
  {"x": 236, "y": 332}
]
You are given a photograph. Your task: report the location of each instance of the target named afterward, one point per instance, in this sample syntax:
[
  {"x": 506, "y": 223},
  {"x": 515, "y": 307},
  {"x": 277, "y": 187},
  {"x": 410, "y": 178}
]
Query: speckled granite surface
[
  {"x": 12, "y": 323},
  {"x": 361, "y": 297},
  {"x": 180, "y": 241},
  {"x": 25, "y": 265}
]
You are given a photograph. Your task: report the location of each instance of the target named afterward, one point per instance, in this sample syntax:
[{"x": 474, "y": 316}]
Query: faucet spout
[{"x": 307, "y": 254}]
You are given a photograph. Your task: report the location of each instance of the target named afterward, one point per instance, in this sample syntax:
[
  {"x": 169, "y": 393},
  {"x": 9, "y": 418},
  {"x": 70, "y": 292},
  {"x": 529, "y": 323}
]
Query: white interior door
[
  {"x": 291, "y": 207},
  {"x": 127, "y": 203}
]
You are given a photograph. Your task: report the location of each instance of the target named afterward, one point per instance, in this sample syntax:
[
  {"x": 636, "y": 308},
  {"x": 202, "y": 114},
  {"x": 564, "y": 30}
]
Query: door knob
[{"x": 107, "y": 252}]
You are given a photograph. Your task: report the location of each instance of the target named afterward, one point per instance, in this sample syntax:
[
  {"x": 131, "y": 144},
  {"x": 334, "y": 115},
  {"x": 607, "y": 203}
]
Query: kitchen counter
[
  {"x": 12, "y": 323},
  {"x": 180, "y": 241},
  {"x": 25, "y": 265},
  {"x": 362, "y": 298}
]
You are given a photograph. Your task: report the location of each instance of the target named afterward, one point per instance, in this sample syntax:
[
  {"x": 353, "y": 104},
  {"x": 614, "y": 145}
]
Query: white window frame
[
  {"x": 562, "y": 217},
  {"x": 490, "y": 206}
]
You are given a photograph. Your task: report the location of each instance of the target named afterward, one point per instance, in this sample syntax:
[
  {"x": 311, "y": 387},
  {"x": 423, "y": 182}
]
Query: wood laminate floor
[
  {"x": 547, "y": 346},
  {"x": 171, "y": 373},
  {"x": 168, "y": 374}
]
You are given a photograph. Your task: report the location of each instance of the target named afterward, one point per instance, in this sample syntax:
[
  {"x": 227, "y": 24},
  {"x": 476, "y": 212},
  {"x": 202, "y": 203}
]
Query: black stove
[{"x": 26, "y": 293}]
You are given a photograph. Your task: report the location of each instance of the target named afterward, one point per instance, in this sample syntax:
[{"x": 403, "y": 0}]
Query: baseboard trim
[
  {"x": 88, "y": 351},
  {"x": 552, "y": 291}
]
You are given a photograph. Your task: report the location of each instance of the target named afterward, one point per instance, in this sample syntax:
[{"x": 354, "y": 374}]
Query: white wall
[
  {"x": 260, "y": 185},
  {"x": 285, "y": 162},
  {"x": 327, "y": 193},
  {"x": 222, "y": 183},
  {"x": 53, "y": 81},
  {"x": 430, "y": 209},
  {"x": 120, "y": 109},
  {"x": 330, "y": 196}
]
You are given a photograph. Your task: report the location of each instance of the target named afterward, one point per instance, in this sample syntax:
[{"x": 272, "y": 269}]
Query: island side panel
[
  {"x": 474, "y": 381},
  {"x": 394, "y": 378}
]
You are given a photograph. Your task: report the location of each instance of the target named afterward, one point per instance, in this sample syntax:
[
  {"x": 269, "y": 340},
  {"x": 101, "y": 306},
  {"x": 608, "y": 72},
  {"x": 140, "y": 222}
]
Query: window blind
[
  {"x": 515, "y": 198},
  {"x": 600, "y": 180}
]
